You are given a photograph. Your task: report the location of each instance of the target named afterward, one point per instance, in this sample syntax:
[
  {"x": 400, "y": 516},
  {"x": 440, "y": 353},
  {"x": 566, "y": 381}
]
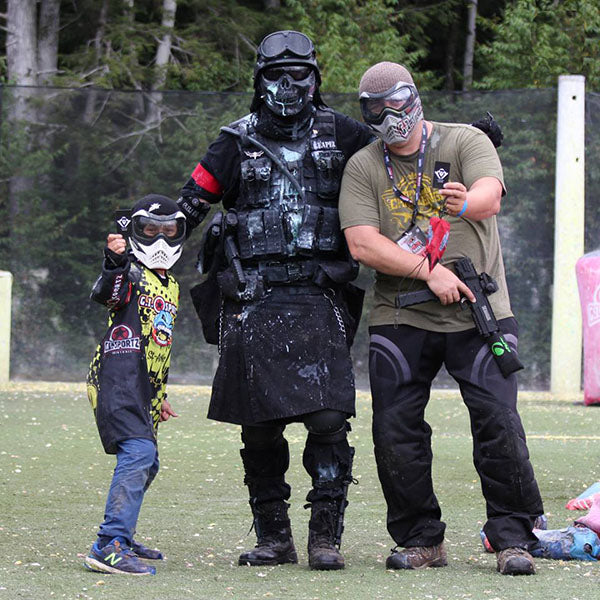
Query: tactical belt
[{"x": 279, "y": 273}]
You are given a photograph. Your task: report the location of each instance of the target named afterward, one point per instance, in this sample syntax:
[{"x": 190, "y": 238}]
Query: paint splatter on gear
[
  {"x": 281, "y": 175},
  {"x": 270, "y": 367},
  {"x": 328, "y": 459},
  {"x": 283, "y": 49}
]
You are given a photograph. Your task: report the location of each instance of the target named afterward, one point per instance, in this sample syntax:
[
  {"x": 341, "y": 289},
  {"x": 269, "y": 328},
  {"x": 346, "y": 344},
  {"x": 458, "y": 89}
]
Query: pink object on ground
[
  {"x": 584, "y": 500},
  {"x": 592, "y": 519},
  {"x": 588, "y": 282},
  {"x": 579, "y": 504}
]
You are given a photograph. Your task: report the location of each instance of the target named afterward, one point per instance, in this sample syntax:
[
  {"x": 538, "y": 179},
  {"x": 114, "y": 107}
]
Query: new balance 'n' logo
[{"x": 113, "y": 559}]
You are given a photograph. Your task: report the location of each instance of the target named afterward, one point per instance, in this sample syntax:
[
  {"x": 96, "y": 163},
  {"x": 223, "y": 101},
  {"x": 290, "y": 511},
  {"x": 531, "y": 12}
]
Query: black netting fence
[{"x": 70, "y": 157}]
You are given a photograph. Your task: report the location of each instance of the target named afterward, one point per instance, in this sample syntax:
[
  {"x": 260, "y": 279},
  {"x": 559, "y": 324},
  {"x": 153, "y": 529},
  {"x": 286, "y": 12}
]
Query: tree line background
[
  {"x": 106, "y": 100},
  {"x": 210, "y": 45}
]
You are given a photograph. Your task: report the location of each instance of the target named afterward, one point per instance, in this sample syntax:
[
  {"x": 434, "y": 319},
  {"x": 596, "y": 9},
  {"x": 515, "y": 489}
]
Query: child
[{"x": 128, "y": 374}]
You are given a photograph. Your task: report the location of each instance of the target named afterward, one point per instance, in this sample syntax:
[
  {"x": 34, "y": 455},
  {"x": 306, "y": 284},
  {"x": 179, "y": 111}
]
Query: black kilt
[{"x": 282, "y": 356}]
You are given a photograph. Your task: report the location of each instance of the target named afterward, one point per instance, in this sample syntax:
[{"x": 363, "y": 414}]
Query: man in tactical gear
[{"x": 284, "y": 313}]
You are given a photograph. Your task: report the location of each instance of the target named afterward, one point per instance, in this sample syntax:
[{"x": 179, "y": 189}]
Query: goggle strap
[{"x": 387, "y": 93}]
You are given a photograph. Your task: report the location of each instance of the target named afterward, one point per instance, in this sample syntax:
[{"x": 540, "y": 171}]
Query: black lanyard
[{"x": 420, "y": 163}]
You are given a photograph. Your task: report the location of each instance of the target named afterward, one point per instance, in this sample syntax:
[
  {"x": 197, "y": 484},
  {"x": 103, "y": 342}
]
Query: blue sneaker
[
  {"x": 116, "y": 558},
  {"x": 142, "y": 551}
]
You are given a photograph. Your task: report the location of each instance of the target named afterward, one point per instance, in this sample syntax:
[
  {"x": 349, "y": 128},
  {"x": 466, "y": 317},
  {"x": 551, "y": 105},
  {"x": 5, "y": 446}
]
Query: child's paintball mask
[{"x": 158, "y": 231}]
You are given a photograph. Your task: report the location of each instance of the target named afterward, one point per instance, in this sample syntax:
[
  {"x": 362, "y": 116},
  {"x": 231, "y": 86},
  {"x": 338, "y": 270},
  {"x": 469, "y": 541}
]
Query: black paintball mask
[{"x": 286, "y": 74}]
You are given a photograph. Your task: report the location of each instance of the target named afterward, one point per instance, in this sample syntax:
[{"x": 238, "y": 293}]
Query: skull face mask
[
  {"x": 287, "y": 89},
  {"x": 286, "y": 74}
]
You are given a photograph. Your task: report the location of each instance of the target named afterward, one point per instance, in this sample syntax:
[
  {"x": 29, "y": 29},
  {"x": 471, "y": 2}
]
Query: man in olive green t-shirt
[{"x": 390, "y": 190}]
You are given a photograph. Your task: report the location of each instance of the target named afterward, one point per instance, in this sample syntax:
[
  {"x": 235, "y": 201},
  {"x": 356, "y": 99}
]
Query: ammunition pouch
[
  {"x": 228, "y": 285},
  {"x": 269, "y": 232},
  {"x": 334, "y": 273},
  {"x": 260, "y": 233},
  {"x": 329, "y": 166},
  {"x": 320, "y": 230},
  {"x": 328, "y": 275},
  {"x": 256, "y": 175},
  {"x": 206, "y": 296}
]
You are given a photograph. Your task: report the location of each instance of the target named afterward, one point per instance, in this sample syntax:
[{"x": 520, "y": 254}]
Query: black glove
[
  {"x": 113, "y": 259},
  {"x": 194, "y": 210},
  {"x": 490, "y": 127}
]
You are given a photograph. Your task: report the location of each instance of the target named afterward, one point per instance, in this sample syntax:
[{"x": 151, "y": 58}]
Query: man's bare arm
[
  {"x": 483, "y": 198},
  {"x": 372, "y": 249}
]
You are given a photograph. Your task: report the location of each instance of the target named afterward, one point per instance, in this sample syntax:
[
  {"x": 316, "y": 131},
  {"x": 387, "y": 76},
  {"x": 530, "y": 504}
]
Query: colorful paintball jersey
[{"x": 128, "y": 375}]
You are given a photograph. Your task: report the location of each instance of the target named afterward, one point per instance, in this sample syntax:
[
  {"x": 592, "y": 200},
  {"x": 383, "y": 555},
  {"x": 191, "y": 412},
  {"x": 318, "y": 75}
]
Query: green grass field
[{"x": 54, "y": 477}]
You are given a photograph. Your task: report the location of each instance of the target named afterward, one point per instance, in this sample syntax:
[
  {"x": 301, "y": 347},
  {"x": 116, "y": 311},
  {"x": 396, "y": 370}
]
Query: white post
[
  {"x": 5, "y": 300},
  {"x": 568, "y": 236}
]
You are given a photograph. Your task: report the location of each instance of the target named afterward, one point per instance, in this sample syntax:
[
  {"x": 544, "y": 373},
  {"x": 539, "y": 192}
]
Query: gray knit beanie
[{"x": 383, "y": 76}]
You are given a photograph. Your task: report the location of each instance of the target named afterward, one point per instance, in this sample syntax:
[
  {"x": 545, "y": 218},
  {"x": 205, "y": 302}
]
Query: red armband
[{"x": 206, "y": 180}]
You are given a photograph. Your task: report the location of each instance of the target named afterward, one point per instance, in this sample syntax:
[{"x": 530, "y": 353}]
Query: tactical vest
[{"x": 275, "y": 224}]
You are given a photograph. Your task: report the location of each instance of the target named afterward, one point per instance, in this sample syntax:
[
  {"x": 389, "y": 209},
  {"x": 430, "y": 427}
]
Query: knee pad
[{"x": 327, "y": 426}]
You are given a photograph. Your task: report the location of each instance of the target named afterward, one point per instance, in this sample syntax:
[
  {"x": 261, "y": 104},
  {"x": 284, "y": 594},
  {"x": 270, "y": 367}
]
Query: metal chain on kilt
[
  {"x": 337, "y": 313},
  {"x": 220, "y": 339}
]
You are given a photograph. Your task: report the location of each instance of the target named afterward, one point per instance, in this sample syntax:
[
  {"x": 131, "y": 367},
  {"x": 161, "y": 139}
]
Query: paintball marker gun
[{"x": 482, "y": 285}]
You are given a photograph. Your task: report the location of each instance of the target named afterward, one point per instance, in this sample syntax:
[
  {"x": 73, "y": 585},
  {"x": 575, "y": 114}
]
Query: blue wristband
[{"x": 462, "y": 210}]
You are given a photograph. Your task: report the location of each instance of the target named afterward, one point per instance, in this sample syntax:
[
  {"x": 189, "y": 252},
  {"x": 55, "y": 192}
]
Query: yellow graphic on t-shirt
[{"x": 431, "y": 202}]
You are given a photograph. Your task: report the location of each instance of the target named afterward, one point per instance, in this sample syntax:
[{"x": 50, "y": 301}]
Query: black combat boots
[
  {"x": 274, "y": 545},
  {"x": 323, "y": 537}
]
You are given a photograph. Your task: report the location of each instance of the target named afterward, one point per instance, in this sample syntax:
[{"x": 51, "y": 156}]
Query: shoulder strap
[
  {"x": 325, "y": 121},
  {"x": 248, "y": 139}
]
